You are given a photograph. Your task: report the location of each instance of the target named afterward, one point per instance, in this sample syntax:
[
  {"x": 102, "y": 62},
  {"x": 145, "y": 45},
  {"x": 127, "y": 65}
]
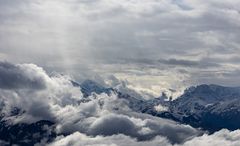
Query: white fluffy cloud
[
  {"x": 79, "y": 139},
  {"x": 223, "y": 137}
]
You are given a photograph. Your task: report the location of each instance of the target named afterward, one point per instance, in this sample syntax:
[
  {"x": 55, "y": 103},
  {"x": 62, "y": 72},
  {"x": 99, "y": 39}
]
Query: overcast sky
[{"x": 152, "y": 44}]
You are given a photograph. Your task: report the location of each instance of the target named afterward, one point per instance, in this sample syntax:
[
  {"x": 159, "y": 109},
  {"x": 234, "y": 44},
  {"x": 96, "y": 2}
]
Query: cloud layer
[
  {"x": 223, "y": 137},
  {"x": 155, "y": 45}
]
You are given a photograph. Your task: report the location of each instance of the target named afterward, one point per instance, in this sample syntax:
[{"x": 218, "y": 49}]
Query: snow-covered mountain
[
  {"x": 210, "y": 107},
  {"x": 25, "y": 134},
  {"x": 88, "y": 87}
]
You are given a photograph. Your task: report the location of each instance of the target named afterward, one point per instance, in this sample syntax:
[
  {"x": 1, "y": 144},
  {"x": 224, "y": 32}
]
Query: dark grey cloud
[
  {"x": 180, "y": 62},
  {"x": 122, "y": 124},
  {"x": 189, "y": 63},
  {"x": 113, "y": 124},
  {"x": 16, "y": 77}
]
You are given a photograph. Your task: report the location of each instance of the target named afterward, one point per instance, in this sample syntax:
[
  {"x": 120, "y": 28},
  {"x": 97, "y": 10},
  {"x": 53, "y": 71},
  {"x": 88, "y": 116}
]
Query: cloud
[
  {"x": 28, "y": 87},
  {"x": 113, "y": 124},
  {"x": 141, "y": 129},
  {"x": 189, "y": 63},
  {"x": 179, "y": 62},
  {"x": 223, "y": 137},
  {"x": 21, "y": 76},
  {"x": 80, "y": 36},
  {"x": 79, "y": 139}
]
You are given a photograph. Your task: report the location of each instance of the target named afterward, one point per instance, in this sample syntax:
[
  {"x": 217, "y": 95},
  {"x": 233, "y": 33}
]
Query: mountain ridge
[{"x": 203, "y": 106}]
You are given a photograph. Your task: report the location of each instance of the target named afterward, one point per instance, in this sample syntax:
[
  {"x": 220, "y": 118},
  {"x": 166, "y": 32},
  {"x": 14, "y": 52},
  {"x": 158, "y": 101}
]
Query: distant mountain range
[{"x": 209, "y": 107}]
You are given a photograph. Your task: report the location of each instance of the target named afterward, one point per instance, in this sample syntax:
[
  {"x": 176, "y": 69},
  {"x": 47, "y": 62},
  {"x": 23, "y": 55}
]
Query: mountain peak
[
  {"x": 91, "y": 83},
  {"x": 89, "y": 86},
  {"x": 212, "y": 91}
]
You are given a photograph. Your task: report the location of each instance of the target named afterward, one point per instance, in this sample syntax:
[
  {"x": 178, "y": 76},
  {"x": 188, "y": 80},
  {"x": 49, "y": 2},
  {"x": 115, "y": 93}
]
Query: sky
[
  {"x": 151, "y": 45},
  {"x": 146, "y": 45}
]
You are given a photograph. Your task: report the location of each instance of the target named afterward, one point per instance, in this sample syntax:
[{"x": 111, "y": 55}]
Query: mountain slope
[{"x": 210, "y": 107}]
